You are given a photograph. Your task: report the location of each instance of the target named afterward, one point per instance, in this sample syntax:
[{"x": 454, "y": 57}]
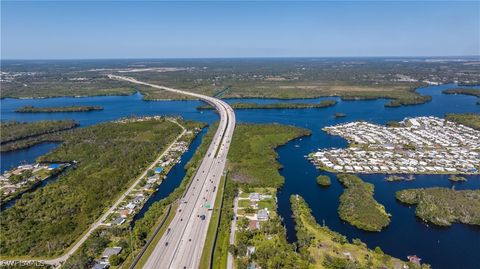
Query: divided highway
[{"x": 182, "y": 243}]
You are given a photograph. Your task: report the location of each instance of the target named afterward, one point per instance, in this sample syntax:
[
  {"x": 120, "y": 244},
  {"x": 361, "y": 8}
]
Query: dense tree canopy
[{"x": 109, "y": 156}]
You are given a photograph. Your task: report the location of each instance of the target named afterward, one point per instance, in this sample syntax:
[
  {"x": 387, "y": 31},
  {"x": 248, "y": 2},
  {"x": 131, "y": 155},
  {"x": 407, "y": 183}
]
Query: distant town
[{"x": 421, "y": 145}]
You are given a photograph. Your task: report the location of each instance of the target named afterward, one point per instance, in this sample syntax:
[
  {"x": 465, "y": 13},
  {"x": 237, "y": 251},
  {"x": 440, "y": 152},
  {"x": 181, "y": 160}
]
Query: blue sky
[{"x": 109, "y": 29}]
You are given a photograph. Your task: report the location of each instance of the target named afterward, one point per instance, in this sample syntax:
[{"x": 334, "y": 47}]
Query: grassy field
[
  {"x": 109, "y": 157},
  {"x": 54, "y": 85},
  {"x": 222, "y": 242},
  {"x": 328, "y": 249},
  {"x": 358, "y": 207},
  {"x": 252, "y": 156},
  {"x": 403, "y": 94},
  {"x": 443, "y": 206},
  {"x": 152, "y": 94},
  {"x": 468, "y": 119}
]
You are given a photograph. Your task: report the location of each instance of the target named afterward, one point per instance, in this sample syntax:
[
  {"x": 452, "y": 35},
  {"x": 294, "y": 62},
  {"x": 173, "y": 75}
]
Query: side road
[
  {"x": 232, "y": 233},
  {"x": 58, "y": 261}
]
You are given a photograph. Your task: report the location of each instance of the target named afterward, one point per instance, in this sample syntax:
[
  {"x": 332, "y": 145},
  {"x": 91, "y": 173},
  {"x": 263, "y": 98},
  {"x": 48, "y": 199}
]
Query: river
[{"x": 452, "y": 247}]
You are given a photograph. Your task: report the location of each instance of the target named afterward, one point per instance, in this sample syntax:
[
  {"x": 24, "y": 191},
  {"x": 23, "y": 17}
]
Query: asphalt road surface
[{"x": 182, "y": 243}]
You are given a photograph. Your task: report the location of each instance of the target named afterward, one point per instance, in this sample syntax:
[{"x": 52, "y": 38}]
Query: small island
[
  {"x": 324, "y": 181},
  {"x": 358, "y": 207},
  {"x": 322, "y": 104},
  {"x": 443, "y": 206},
  {"x": 393, "y": 178},
  {"x": 465, "y": 91},
  {"x": 56, "y": 109},
  {"x": 457, "y": 178}
]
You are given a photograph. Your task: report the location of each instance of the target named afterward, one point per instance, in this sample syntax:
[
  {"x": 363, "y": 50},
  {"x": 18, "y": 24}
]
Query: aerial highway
[{"x": 182, "y": 243}]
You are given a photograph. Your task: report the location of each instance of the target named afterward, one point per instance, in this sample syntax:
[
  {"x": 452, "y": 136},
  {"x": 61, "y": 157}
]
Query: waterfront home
[
  {"x": 8, "y": 189},
  {"x": 100, "y": 265},
  {"x": 262, "y": 215},
  {"x": 53, "y": 166},
  {"x": 253, "y": 225},
  {"x": 108, "y": 252},
  {"x": 414, "y": 259},
  {"x": 147, "y": 187},
  {"x": 153, "y": 179},
  {"x": 26, "y": 167},
  {"x": 131, "y": 206},
  {"x": 254, "y": 197},
  {"x": 118, "y": 221},
  {"x": 138, "y": 198},
  {"x": 124, "y": 213}
]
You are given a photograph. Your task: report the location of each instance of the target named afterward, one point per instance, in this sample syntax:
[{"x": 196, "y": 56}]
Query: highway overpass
[{"x": 182, "y": 243}]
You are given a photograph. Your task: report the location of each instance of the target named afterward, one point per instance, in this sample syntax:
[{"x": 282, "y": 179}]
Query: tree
[
  {"x": 233, "y": 250},
  {"x": 77, "y": 261},
  {"x": 115, "y": 260}
]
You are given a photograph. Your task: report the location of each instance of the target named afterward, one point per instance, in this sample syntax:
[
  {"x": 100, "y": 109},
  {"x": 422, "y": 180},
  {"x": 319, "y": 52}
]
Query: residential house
[
  {"x": 118, "y": 221},
  {"x": 250, "y": 250},
  {"x": 262, "y": 215},
  {"x": 253, "y": 225},
  {"x": 254, "y": 197},
  {"x": 108, "y": 252}
]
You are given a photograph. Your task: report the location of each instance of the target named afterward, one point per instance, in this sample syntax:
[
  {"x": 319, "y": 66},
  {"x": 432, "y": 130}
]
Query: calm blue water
[
  {"x": 28, "y": 155},
  {"x": 453, "y": 247},
  {"x": 114, "y": 107}
]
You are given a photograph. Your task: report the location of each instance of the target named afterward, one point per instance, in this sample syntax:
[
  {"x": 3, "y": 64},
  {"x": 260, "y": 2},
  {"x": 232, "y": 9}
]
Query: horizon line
[{"x": 231, "y": 57}]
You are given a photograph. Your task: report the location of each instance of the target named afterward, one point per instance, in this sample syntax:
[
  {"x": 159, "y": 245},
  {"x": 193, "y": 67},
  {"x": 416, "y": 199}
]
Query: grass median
[
  {"x": 157, "y": 237},
  {"x": 208, "y": 247}
]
